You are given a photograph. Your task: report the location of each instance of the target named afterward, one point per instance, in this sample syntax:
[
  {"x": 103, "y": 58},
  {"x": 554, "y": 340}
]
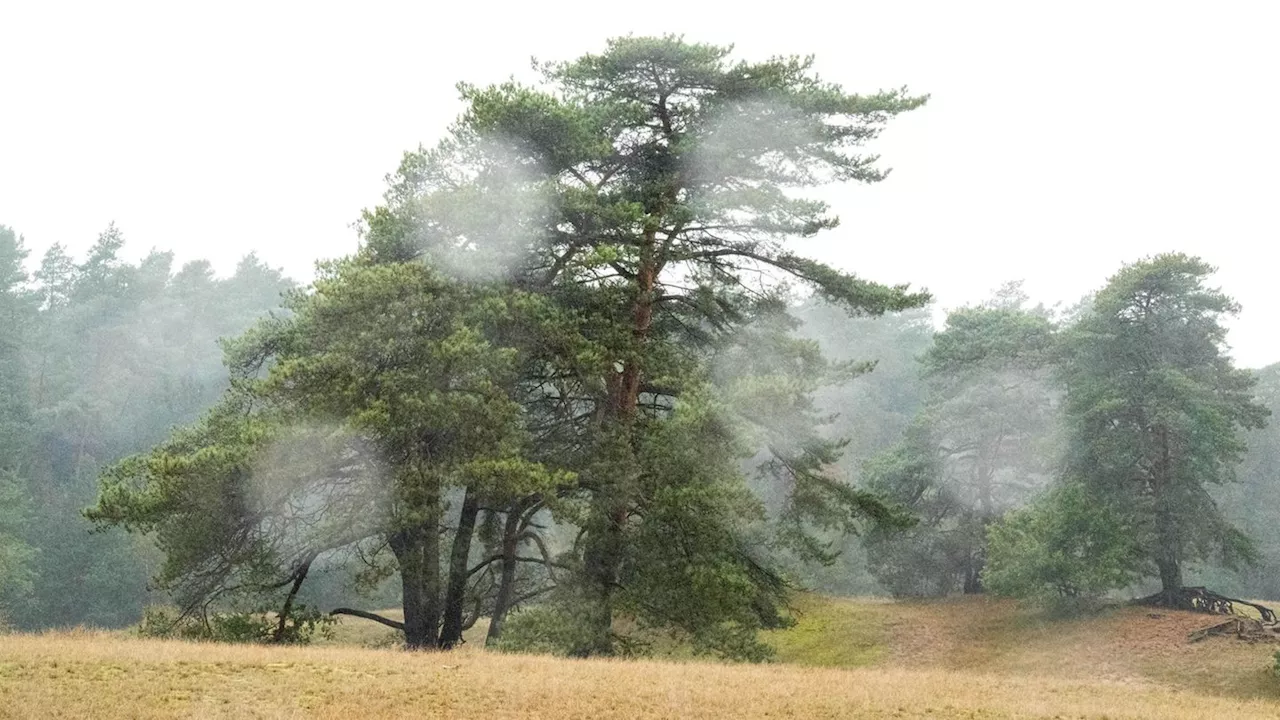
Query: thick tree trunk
[
  {"x": 407, "y": 546},
  {"x": 1168, "y": 553},
  {"x": 455, "y": 595},
  {"x": 507, "y": 584},
  {"x": 432, "y": 586},
  {"x": 603, "y": 559},
  {"x": 604, "y": 552},
  {"x": 1170, "y": 574},
  {"x": 417, "y": 550}
]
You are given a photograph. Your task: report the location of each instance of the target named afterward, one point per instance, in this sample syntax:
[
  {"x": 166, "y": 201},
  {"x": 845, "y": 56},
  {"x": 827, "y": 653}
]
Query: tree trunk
[
  {"x": 431, "y": 580},
  {"x": 973, "y": 575},
  {"x": 604, "y": 552},
  {"x": 603, "y": 559},
  {"x": 417, "y": 550},
  {"x": 1168, "y": 553},
  {"x": 299, "y": 576},
  {"x": 455, "y": 595},
  {"x": 1170, "y": 574},
  {"x": 407, "y": 547},
  {"x": 507, "y": 585}
]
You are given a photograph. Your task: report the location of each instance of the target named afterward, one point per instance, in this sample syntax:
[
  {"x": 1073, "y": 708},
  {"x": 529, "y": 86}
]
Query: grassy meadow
[{"x": 845, "y": 659}]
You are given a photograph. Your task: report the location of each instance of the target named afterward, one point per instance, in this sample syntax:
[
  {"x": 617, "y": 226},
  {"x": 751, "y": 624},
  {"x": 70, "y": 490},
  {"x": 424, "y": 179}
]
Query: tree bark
[
  {"x": 1168, "y": 553},
  {"x": 431, "y": 578},
  {"x": 604, "y": 552},
  {"x": 417, "y": 550},
  {"x": 455, "y": 594},
  {"x": 407, "y": 547},
  {"x": 299, "y": 576},
  {"x": 368, "y": 616},
  {"x": 507, "y": 584},
  {"x": 511, "y": 532}
]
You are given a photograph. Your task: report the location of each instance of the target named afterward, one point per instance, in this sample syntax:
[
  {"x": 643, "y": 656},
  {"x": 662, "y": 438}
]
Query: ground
[{"x": 969, "y": 658}]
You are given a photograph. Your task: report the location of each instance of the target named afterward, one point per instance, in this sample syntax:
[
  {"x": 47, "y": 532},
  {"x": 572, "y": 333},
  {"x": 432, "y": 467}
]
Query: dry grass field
[{"x": 954, "y": 659}]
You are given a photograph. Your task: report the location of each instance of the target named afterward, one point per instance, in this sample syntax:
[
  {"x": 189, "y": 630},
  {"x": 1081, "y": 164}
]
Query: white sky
[{"x": 1062, "y": 139}]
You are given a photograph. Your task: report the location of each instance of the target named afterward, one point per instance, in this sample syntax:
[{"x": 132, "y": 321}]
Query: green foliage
[
  {"x": 1155, "y": 410},
  {"x": 98, "y": 359},
  {"x": 16, "y": 556},
  {"x": 980, "y": 446},
  {"x": 351, "y": 426},
  {"x": 548, "y": 629},
  {"x": 303, "y": 625},
  {"x": 1066, "y": 552},
  {"x": 1248, "y": 503},
  {"x": 648, "y": 193}
]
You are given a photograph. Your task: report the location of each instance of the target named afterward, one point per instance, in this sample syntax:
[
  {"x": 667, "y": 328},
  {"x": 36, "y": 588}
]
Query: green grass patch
[{"x": 832, "y": 632}]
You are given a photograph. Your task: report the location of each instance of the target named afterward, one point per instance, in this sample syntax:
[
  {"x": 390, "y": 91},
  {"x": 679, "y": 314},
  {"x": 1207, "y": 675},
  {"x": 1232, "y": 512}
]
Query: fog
[
  {"x": 1059, "y": 143},
  {"x": 582, "y": 369}
]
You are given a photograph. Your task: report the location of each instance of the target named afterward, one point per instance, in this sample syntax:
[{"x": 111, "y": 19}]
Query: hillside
[
  {"x": 986, "y": 635},
  {"x": 954, "y": 659}
]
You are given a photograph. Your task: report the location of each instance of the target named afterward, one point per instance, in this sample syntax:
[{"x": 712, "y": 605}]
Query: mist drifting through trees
[{"x": 580, "y": 382}]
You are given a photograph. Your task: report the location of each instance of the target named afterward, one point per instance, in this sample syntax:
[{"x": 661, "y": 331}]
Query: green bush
[
  {"x": 303, "y": 625},
  {"x": 1064, "y": 553},
  {"x": 548, "y": 629}
]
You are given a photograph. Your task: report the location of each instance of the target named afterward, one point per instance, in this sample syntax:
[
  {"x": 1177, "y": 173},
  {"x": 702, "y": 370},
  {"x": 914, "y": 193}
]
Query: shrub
[
  {"x": 1064, "y": 553},
  {"x": 549, "y": 629},
  {"x": 303, "y": 625}
]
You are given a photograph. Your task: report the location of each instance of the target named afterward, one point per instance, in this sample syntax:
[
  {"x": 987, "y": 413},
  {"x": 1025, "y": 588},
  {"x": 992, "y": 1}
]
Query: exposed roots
[
  {"x": 1242, "y": 628},
  {"x": 1202, "y": 600}
]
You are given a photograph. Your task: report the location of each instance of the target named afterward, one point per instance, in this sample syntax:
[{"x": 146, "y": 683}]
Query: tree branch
[{"x": 368, "y": 616}]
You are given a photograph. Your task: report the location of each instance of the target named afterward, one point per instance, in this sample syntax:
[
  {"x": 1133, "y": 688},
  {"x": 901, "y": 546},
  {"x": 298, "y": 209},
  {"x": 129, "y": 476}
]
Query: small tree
[
  {"x": 1065, "y": 552},
  {"x": 977, "y": 450}
]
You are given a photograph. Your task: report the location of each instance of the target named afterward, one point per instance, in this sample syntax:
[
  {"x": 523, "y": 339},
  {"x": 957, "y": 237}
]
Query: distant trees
[
  {"x": 981, "y": 445},
  {"x": 1248, "y": 503},
  {"x": 1155, "y": 413},
  {"x": 17, "y": 311},
  {"x": 98, "y": 358}
]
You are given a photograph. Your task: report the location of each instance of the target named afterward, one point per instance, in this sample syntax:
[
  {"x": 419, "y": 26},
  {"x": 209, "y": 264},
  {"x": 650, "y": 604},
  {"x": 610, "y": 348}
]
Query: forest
[{"x": 579, "y": 384}]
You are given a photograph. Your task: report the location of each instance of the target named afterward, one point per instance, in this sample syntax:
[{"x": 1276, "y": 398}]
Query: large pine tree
[
  {"x": 1155, "y": 410},
  {"x": 654, "y": 188}
]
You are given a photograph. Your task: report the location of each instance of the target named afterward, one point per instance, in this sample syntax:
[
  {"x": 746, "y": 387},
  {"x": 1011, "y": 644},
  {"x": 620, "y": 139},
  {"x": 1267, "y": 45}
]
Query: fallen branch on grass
[{"x": 1202, "y": 600}]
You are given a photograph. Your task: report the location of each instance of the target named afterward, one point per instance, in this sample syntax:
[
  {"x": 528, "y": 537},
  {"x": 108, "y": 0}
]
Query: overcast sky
[{"x": 1061, "y": 140}]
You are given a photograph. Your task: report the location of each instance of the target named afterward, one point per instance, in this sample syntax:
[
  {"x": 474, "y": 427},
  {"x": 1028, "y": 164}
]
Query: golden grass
[
  {"x": 91, "y": 675},
  {"x": 943, "y": 659}
]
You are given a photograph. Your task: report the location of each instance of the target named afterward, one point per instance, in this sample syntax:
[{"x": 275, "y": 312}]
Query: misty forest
[{"x": 581, "y": 391}]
